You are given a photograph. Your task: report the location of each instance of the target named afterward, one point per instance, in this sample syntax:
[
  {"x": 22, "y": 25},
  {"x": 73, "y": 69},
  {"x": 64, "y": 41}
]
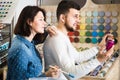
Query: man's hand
[
  {"x": 103, "y": 56},
  {"x": 51, "y": 30},
  {"x": 103, "y": 42}
]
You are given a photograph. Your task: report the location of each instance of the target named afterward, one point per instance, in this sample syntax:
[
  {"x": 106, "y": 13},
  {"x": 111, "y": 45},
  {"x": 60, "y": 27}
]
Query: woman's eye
[{"x": 40, "y": 19}]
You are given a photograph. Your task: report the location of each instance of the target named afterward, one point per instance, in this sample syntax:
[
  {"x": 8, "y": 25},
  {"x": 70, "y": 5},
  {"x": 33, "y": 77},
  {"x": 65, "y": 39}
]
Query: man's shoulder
[{"x": 58, "y": 35}]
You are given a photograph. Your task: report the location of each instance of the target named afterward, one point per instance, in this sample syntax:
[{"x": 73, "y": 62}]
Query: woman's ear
[
  {"x": 62, "y": 18},
  {"x": 29, "y": 22}
]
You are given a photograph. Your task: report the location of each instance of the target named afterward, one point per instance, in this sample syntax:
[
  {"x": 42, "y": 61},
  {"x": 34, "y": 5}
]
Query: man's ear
[{"x": 62, "y": 18}]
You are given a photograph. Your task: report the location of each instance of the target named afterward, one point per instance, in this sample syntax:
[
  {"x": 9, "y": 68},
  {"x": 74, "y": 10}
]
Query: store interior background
[
  {"x": 86, "y": 12},
  {"x": 89, "y": 7}
]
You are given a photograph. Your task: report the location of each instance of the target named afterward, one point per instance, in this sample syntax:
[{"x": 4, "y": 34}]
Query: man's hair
[{"x": 65, "y": 5}]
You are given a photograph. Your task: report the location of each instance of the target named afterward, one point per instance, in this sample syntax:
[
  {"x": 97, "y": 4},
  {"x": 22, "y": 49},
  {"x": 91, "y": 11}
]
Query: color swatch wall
[{"x": 95, "y": 21}]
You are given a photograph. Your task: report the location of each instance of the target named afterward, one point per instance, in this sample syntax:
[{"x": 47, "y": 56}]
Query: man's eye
[{"x": 77, "y": 17}]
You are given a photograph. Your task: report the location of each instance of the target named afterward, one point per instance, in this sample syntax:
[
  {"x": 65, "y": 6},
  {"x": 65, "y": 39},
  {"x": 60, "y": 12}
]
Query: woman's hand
[
  {"x": 53, "y": 72},
  {"x": 51, "y": 30}
]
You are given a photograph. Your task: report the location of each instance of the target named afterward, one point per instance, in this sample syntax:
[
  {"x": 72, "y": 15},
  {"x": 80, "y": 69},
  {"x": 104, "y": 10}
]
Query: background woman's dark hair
[
  {"x": 28, "y": 13},
  {"x": 64, "y": 6}
]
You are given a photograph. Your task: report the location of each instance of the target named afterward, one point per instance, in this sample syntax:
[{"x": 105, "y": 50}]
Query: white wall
[
  {"x": 50, "y": 2},
  {"x": 21, "y": 5}
]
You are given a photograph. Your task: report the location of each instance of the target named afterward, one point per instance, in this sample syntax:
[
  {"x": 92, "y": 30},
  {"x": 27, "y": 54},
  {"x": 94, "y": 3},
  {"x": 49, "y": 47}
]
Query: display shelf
[
  {"x": 3, "y": 61},
  {"x": 4, "y": 38},
  {"x": 2, "y": 53},
  {"x": 7, "y": 10},
  {"x": 5, "y": 41},
  {"x": 3, "y": 73},
  {"x": 111, "y": 74},
  {"x": 6, "y": 16}
]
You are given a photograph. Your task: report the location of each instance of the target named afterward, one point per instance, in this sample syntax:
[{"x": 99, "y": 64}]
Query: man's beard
[{"x": 70, "y": 29}]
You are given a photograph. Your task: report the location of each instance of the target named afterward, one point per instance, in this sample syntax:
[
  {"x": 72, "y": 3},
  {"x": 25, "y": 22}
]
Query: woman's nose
[{"x": 45, "y": 23}]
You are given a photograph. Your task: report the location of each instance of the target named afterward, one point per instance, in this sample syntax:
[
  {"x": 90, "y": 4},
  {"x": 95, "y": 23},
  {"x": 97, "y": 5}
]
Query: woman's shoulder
[
  {"x": 17, "y": 44},
  {"x": 17, "y": 47},
  {"x": 18, "y": 52}
]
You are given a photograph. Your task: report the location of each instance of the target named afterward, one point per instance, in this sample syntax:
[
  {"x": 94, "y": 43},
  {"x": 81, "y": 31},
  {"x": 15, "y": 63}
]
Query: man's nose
[{"x": 78, "y": 20}]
